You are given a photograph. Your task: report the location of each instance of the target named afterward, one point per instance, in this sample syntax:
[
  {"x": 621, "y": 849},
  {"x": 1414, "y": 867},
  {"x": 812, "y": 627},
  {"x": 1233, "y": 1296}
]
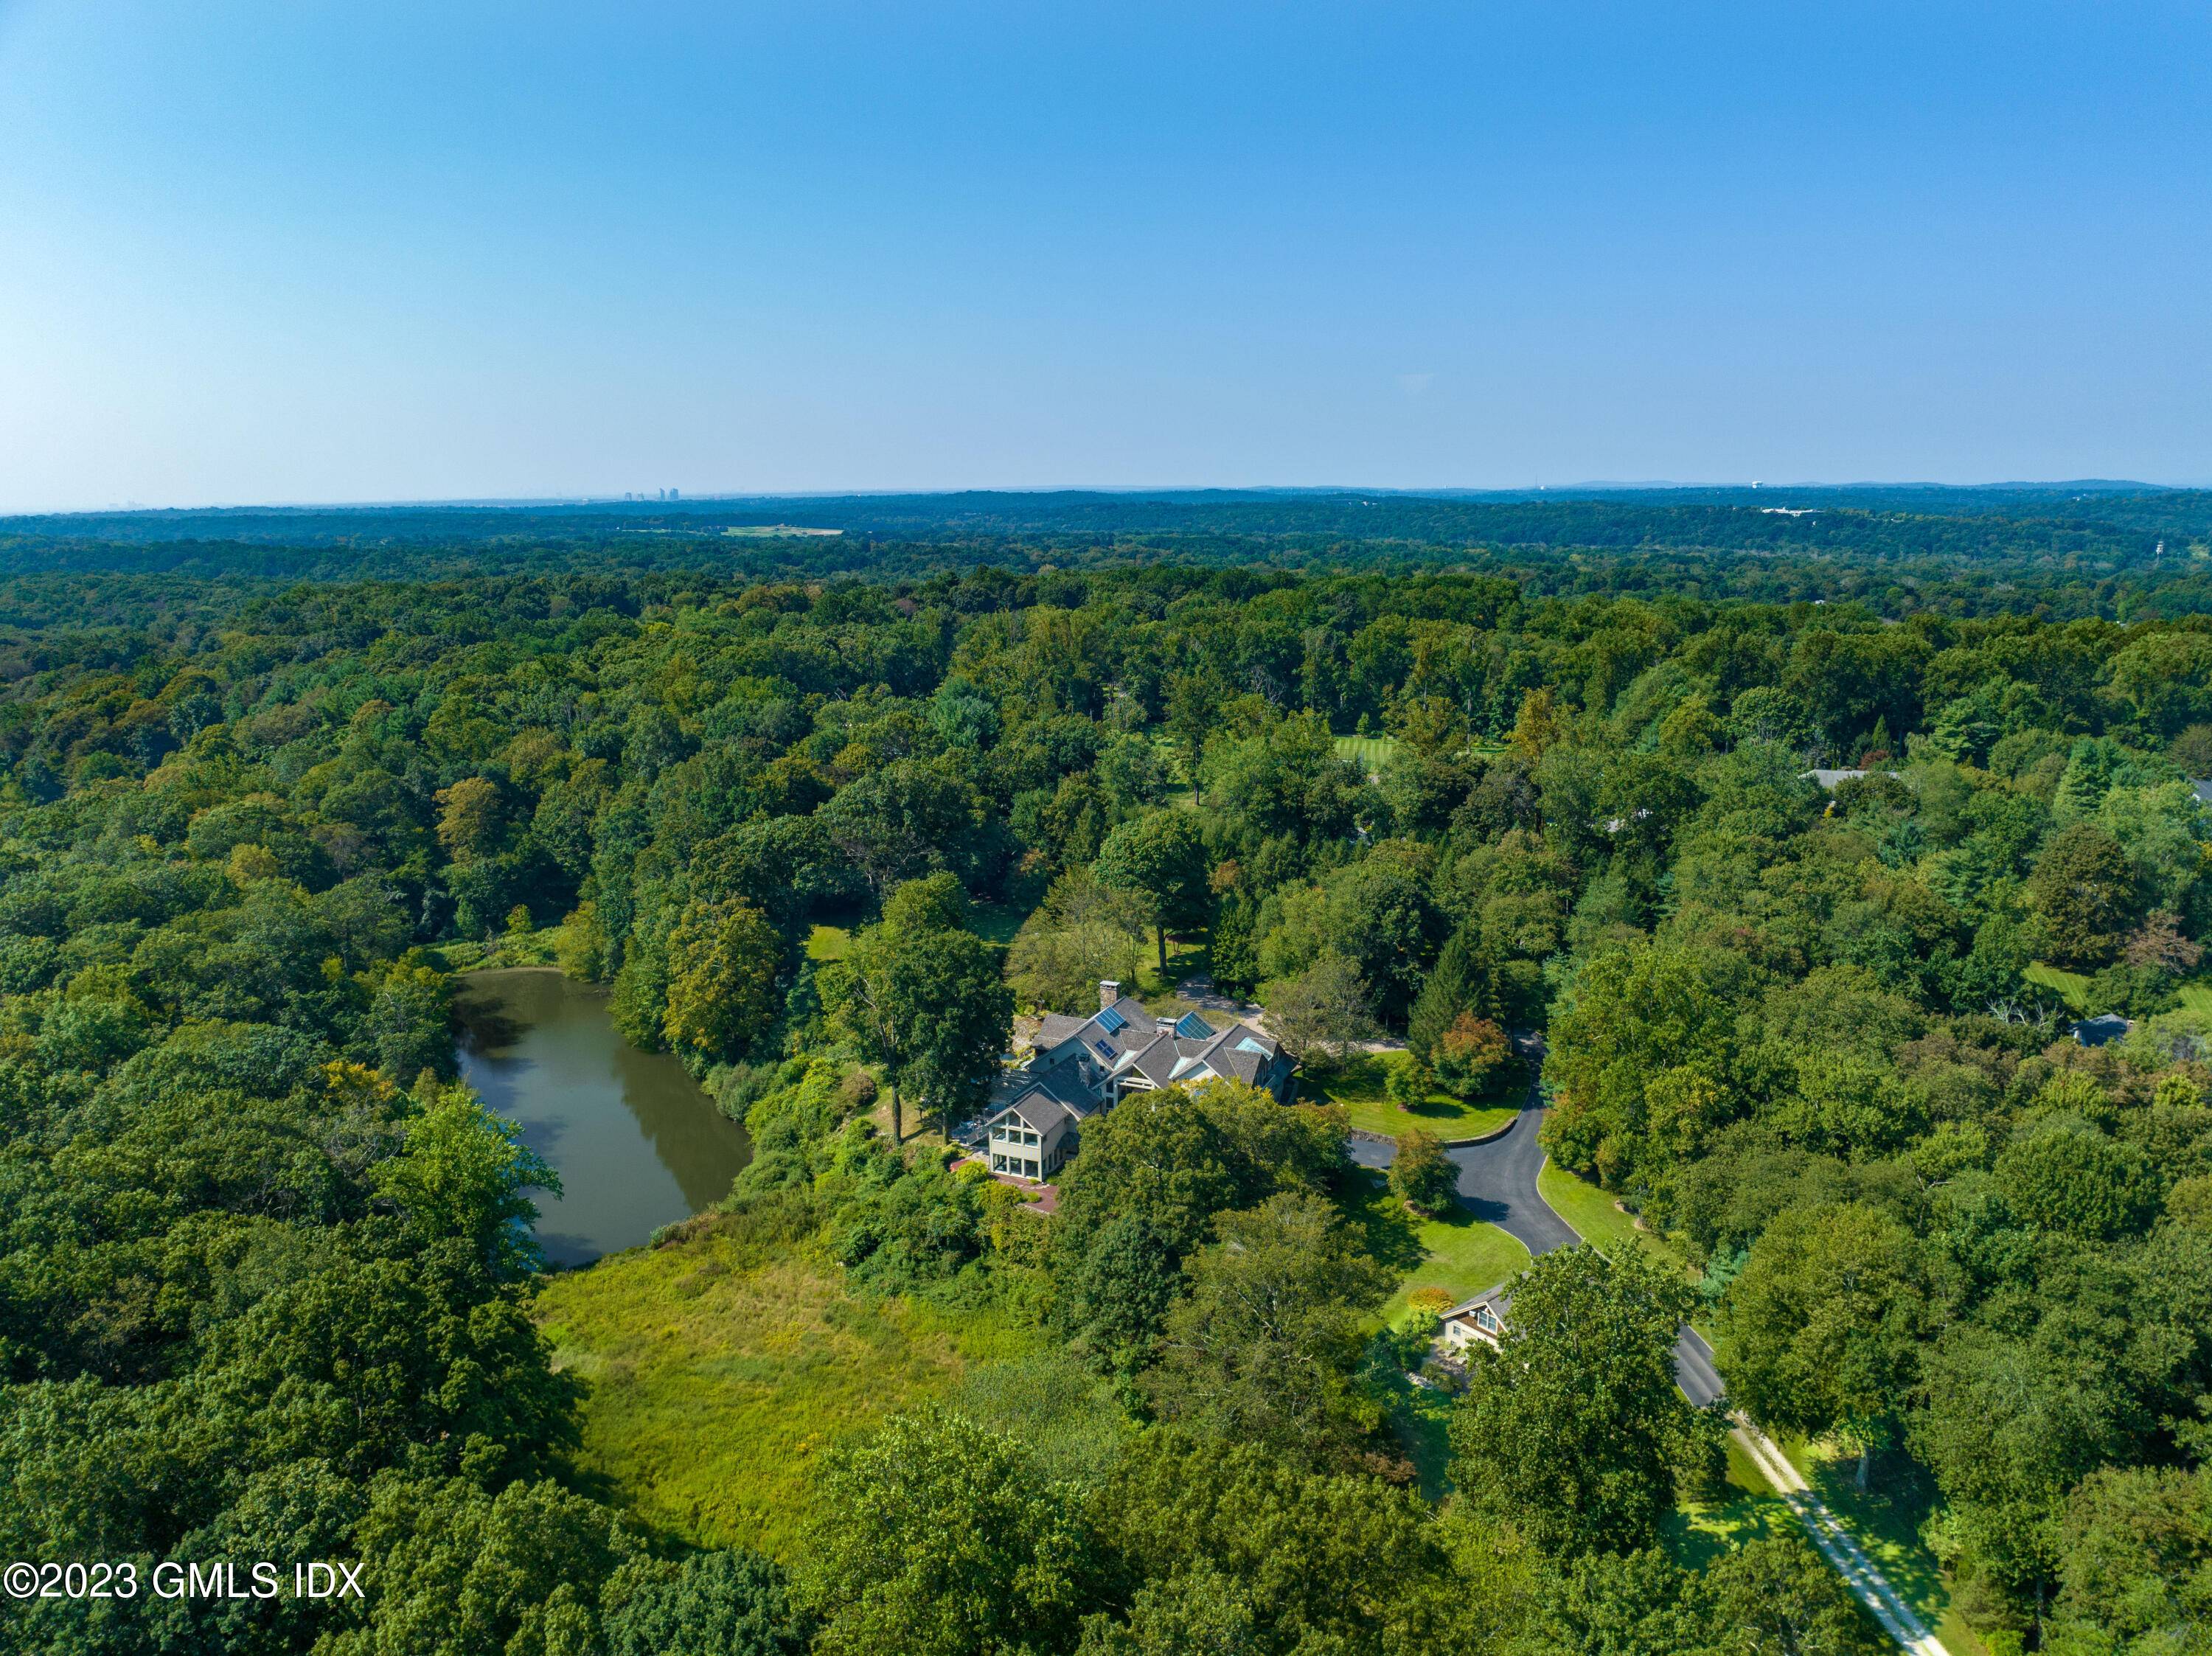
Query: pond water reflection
[{"x": 637, "y": 1143}]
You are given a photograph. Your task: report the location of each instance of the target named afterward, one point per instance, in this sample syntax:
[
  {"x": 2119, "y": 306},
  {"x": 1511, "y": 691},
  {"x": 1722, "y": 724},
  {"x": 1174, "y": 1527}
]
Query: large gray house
[{"x": 1082, "y": 1066}]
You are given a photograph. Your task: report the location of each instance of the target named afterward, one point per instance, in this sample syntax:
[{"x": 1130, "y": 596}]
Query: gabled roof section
[
  {"x": 1236, "y": 1064},
  {"x": 1044, "y": 1096},
  {"x": 2104, "y": 1027},
  {"x": 1499, "y": 1299},
  {"x": 1110, "y": 1036},
  {"x": 1158, "y": 1062}
]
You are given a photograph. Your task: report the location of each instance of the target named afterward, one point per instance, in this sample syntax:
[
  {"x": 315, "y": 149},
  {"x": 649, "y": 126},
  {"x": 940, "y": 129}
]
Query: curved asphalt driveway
[{"x": 1497, "y": 1180}]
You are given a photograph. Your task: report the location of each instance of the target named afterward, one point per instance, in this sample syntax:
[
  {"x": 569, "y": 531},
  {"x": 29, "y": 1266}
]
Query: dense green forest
[
  {"x": 2072, "y": 549},
  {"x": 267, "y": 1284}
]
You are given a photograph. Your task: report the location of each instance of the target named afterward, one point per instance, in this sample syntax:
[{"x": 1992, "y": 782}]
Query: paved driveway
[{"x": 1497, "y": 1180}]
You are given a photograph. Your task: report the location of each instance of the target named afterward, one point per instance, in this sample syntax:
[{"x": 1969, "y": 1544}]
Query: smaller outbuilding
[
  {"x": 1482, "y": 1318},
  {"x": 2096, "y": 1031}
]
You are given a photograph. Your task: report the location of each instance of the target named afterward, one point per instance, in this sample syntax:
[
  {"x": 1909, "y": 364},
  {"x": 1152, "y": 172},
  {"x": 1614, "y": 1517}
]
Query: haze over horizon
[
  {"x": 687, "y": 498},
  {"x": 263, "y": 254}
]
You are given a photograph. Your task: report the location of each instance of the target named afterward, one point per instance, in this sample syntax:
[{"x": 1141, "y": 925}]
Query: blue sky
[{"x": 315, "y": 251}]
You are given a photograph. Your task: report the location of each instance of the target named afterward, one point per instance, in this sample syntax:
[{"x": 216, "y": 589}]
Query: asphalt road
[{"x": 1497, "y": 1180}]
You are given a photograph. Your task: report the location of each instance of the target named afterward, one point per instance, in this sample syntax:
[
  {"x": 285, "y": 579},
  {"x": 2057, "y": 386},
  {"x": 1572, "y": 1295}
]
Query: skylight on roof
[
  {"x": 1104, "y": 1051},
  {"x": 1191, "y": 1027},
  {"x": 1111, "y": 1020},
  {"x": 1248, "y": 1045}
]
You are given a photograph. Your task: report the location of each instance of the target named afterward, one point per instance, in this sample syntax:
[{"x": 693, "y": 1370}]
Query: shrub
[
  {"x": 1423, "y": 1174},
  {"x": 1471, "y": 1055}
]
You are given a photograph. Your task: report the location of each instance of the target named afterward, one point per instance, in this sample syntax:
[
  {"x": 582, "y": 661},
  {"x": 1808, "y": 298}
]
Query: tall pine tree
[{"x": 1458, "y": 982}]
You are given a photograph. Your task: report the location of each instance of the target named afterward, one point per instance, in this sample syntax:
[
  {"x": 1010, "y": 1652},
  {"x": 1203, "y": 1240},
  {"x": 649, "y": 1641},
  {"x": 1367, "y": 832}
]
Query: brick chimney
[{"x": 1110, "y": 991}]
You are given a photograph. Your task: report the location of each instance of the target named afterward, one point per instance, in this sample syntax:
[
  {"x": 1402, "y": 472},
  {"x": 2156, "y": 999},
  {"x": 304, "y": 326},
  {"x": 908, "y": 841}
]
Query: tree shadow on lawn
[
  {"x": 1390, "y": 1234},
  {"x": 1421, "y": 1421},
  {"x": 1356, "y": 1077},
  {"x": 1362, "y": 1078},
  {"x": 1886, "y": 1518},
  {"x": 1746, "y": 1509}
]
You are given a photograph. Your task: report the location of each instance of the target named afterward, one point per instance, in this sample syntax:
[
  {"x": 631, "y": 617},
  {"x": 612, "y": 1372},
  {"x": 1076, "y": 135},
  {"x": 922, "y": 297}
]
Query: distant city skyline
[
  {"x": 265, "y": 254},
  {"x": 1597, "y": 488}
]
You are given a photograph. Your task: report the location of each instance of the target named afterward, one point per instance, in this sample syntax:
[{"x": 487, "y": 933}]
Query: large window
[
  {"x": 998, "y": 1164},
  {"x": 1030, "y": 1168}
]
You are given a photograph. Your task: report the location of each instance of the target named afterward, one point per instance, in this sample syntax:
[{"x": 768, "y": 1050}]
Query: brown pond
[{"x": 637, "y": 1143}]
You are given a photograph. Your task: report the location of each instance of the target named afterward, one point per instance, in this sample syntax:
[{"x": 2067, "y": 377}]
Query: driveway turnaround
[{"x": 1498, "y": 1181}]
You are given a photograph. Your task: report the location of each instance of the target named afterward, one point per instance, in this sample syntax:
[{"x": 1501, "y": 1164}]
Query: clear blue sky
[{"x": 302, "y": 250}]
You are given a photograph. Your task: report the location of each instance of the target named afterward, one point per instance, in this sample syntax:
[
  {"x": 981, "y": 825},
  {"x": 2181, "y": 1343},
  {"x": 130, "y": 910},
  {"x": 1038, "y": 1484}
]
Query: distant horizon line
[{"x": 1449, "y": 491}]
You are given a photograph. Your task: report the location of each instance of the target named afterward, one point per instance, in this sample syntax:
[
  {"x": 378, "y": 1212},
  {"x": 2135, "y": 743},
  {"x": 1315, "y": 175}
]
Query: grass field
[
  {"x": 2072, "y": 987},
  {"x": 1371, "y": 752},
  {"x": 1462, "y": 1256},
  {"x": 1591, "y": 1212},
  {"x": 1359, "y": 1086},
  {"x": 828, "y": 942},
  {"x": 716, "y": 1377},
  {"x": 1455, "y": 1252}
]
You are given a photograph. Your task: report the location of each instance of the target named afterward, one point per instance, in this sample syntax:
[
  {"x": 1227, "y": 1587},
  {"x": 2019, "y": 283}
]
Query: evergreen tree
[
  {"x": 1231, "y": 946},
  {"x": 1458, "y": 982}
]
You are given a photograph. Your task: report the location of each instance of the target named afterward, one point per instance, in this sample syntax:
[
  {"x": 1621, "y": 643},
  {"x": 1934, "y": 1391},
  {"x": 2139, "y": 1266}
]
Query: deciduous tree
[
  {"x": 1824, "y": 1324},
  {"x": 723, "y": 959},
  {"x": 1262, "y": 1349},
  {"x": 1159, "y": 859},
  {"x": 1571, "y": 1428}
]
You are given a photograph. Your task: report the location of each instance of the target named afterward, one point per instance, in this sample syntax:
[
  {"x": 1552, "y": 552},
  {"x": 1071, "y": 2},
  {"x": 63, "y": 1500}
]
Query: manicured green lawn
[
  {"x": 1461, "y": 1255},
  {"x": 1371, "y": 752},
  {"x": 1591, "y": 1212},
  {"x": 2197, "y": 997},
  {"x": 828, "y": 942},
  {"x": 716, "y": 1377},
  {"x": 1359, "y": 1086},
  {"x": 2072, "y": 987},
  {"x": 1455, "y": 1251}
]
